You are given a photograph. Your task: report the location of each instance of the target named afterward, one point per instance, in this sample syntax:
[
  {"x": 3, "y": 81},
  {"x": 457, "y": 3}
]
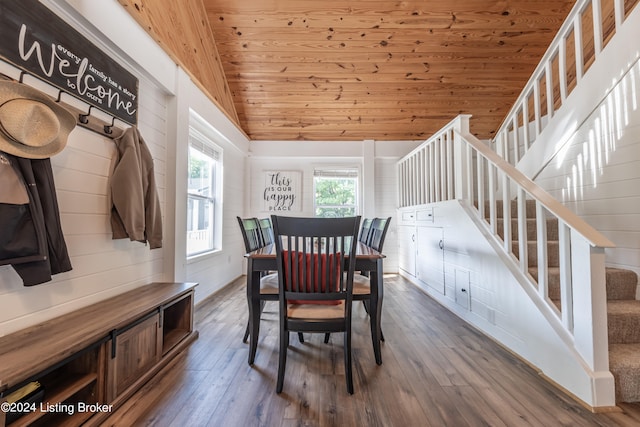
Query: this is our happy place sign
[
  {"x": 36, "y": 40},
  {"x": 281, "y": 191}
]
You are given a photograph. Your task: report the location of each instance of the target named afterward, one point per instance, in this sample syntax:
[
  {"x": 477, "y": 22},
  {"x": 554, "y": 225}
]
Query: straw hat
[{"x": 32, "y": 125}]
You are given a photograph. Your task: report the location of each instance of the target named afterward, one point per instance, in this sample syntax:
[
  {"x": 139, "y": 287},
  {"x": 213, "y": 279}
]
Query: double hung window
[{"x": 204, "y": 195}]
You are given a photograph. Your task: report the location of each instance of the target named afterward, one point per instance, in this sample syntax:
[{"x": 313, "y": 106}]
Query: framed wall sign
[
  {"x": 36, "y": 40},
  {"x": 282, "y": 191}
]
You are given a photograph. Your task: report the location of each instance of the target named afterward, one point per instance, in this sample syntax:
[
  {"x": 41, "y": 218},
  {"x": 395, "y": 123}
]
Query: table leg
[
  {"x": 375, "y": 311},
  {"x": 253, "y": 300}
]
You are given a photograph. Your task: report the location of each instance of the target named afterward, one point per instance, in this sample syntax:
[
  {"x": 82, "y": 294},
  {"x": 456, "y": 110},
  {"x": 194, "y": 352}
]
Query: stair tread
[
  {"x": 623, "y": 306},
  {"x": 624, "y": 356},
  {"x": 621, "y": 284}
]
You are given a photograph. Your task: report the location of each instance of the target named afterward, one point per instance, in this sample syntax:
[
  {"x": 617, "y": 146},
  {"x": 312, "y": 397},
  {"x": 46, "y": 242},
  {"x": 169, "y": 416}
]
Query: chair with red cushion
[{"x": 315, "y": 281}]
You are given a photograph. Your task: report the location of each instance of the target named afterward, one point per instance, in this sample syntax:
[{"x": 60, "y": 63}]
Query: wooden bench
[{"x": 91, "y": 360}]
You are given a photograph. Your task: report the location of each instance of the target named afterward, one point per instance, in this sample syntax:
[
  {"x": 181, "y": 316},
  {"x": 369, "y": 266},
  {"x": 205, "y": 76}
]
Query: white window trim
[
  {"x": 319, "y": 170},
  {"x": 201, "y": 138}
]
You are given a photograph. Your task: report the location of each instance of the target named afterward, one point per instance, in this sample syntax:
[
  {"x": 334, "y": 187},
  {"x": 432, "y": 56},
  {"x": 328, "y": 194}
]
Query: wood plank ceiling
[{"x": 337, "y": 70}]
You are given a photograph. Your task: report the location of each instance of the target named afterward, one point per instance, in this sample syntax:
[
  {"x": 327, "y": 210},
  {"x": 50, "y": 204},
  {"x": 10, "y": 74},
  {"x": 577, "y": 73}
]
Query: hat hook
[
  {"x": 22, "y": 73},
  {"x": 84, "y": 118},
  {"x": 108, "y": 129}
]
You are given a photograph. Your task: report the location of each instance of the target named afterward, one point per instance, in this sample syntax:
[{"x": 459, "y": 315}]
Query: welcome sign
[{"x": 37, "y": 41}]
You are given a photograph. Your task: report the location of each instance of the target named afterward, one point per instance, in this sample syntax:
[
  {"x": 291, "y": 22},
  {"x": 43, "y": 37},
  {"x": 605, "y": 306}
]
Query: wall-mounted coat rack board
[
  {"x": 42, "y": 50},
  {"x": 86, "y": 115}
]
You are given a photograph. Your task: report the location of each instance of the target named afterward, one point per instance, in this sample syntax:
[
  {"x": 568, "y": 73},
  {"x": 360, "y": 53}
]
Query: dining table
[{"x": 368, "y": 260}]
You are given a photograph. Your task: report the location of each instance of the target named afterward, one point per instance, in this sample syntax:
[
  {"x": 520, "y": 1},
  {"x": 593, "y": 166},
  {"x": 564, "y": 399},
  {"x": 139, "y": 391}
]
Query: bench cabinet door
[{"x": 137, "y": 350}]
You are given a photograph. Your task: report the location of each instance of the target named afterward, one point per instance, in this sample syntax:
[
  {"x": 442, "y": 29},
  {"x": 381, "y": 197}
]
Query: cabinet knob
[{"x": 441, "y": 244}]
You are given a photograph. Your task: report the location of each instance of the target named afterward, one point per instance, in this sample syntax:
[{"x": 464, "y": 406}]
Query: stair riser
[
  {"x": 553, "y": 253},
  {"x": 623, "y": 329},
  {"x": 627, "y": 389},
  {"x": 620, "y": 284},
  {"x": 532, "y": 232},
  {"x": 530, "y": 208}
]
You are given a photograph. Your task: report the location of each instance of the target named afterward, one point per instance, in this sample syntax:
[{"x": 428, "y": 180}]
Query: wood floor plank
[
  {"x": 437, "y": 371},
  {"x": 202, "y": 404}
]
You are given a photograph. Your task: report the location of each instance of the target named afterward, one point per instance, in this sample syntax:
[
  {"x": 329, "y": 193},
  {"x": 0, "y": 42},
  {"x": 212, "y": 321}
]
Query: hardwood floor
[{"x": 437, "y": 371}]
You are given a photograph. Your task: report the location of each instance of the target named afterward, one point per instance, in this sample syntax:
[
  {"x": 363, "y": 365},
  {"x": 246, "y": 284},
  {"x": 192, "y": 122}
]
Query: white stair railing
[
  {"x": 454, "y": 164},
  {"x": 587, "y": 30}
]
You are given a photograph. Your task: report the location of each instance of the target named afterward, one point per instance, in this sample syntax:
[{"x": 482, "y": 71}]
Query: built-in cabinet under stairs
[{"x": 622, "y": 307}]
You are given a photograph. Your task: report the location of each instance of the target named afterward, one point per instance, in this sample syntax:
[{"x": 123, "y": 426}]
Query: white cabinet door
[
  {"x": 407, "y": 249},
  {"x": 430, "y": 257}
]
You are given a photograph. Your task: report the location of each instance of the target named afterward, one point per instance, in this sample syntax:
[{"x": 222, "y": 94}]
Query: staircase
[{"x": 622, "y": 307}]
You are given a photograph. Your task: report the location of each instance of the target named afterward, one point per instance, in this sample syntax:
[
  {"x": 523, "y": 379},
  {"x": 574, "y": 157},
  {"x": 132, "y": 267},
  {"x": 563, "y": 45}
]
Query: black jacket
[{"x": 38, "y": 246}]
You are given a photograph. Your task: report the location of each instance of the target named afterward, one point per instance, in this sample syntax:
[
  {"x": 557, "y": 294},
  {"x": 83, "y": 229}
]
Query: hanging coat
[
  {"x": 135, "y": 211},
  {"x": 35, "y": 244}
]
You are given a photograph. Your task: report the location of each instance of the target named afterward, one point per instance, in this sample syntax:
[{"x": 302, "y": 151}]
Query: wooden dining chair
[
  {"x": 315, "y": 291},
  {"x": 266, "y": 231},
  {"x": 361, "y": 281},
  {"x": 378, "y": 232},
  {"x": 365, "y": 230},
  {"x": 251, "y": 233},
  {"x": 253, "y": 240}
]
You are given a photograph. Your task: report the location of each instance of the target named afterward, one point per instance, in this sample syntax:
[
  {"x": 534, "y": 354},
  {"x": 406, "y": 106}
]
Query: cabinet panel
[
  {"x": 430, "y": 257},
  {"x": 407, "y": 249},
  {"x": 424, "y": 215},
  {"x": 136, "y": 350}
]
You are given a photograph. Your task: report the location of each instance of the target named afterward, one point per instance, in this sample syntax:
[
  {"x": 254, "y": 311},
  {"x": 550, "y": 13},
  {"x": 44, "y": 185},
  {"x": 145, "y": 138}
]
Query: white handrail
[
  {"x": 557, "y": 209},
  {"x": 564, "y": 60}
]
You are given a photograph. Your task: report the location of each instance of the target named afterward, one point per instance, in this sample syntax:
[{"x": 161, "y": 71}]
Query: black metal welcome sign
[{"x": 37, "y": 41}]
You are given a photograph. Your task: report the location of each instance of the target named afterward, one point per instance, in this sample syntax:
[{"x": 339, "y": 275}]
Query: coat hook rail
[
  {"x": 105, "y": 126},
  {"x": 84, "y": 118},
  {"x": 108, "y": 129}
]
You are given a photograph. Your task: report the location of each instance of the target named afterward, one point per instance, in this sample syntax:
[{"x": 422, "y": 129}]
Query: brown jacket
[{"x": 135, "y": 211}]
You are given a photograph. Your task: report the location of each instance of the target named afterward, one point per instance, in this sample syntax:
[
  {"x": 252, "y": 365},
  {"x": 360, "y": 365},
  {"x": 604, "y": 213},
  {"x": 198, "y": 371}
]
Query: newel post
[{"x": 589, "y": 296}]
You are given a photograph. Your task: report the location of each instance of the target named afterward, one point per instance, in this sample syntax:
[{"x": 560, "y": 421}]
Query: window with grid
[{"x": 204, "y": 195}]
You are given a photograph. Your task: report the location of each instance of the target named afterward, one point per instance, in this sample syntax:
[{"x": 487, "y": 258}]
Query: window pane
[
  {"x": 335, "y": 196},
  {"x": 199, "y": 225},
  {"x": 334, "y": 212},
  {"x": 201, "y": 173},
  {"x": 201, "y": 202}
]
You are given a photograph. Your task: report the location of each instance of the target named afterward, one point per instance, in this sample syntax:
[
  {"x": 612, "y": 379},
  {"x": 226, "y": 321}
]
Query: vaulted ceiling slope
[{"x": 366, "y": 69}]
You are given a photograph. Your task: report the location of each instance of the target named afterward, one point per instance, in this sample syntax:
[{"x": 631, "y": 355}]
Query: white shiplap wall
[
  {"x": 596, "y": 172},
  {"x": 386, "y": 190},
  {"x": 304, "y": 156},
  {"x": 102, "y": 267}
]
